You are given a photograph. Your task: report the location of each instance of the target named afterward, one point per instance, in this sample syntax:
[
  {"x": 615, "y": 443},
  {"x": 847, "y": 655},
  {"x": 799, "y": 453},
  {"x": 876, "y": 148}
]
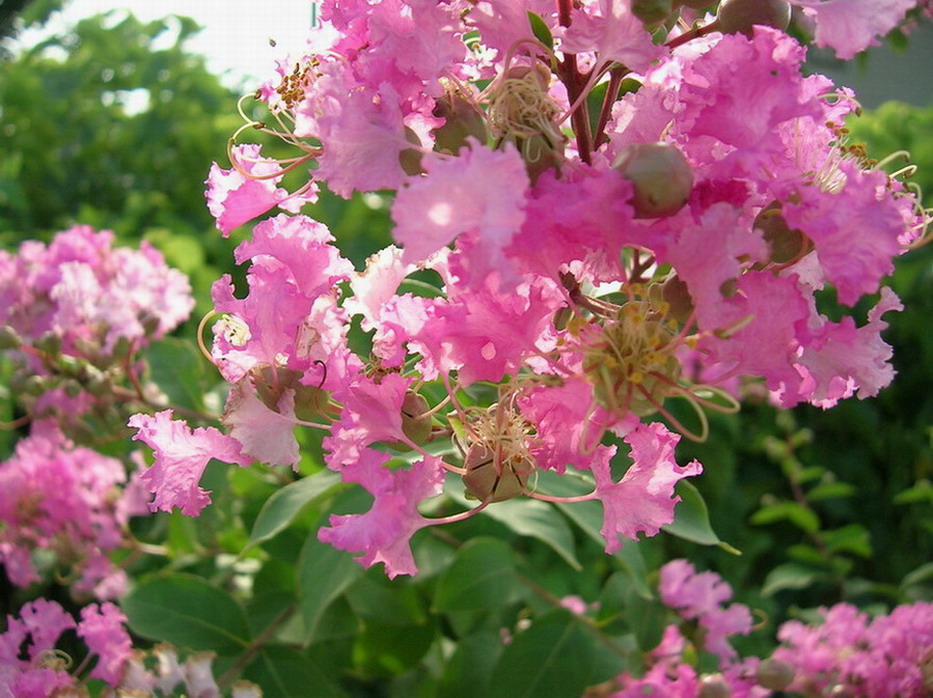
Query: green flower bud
[
  {"x": 774, "y": 674},
  {"x": 740, "y": 16},
  {"x": 785, "y": 243},
  {"x": 462, "y": 120},
  {"x": 652, "y": 12},
  {"x": 9, "y": 338},
  {"x": 489, "y": 483},
  {"x": 714, "y": 686},
  {"x": 410, "y": 158},
  {"x": 415, "y": 424},
  {"x": 49, "y": 343},
  {"x": 661, "y": 175}
]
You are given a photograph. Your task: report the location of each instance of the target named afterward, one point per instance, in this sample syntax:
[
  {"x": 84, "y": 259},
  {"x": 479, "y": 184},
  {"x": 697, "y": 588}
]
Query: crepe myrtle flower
[{"x": 595, "y": 215}]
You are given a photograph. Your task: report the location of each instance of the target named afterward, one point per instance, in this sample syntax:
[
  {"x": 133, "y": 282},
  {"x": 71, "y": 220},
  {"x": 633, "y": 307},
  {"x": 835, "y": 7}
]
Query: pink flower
[
  {"x": 702, "y": 596},
  {"x": 181, "y": 455},
  {"x": 850, "y": 26},
  {"x": 643, "y": 500},
  {"x": 238, "y": 195},
  {"x": 480, "y": 192},
  {"x": 615, "y": 33},
  {"x": 383, "y": 533},
  {"x": 265, "y": 434},
  {"x": 102, "y": 629},
  {"x": 56, "y": 496}
]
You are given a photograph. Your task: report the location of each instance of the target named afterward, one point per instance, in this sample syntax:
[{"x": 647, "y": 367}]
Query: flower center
[{"x": 630, "y": 360}]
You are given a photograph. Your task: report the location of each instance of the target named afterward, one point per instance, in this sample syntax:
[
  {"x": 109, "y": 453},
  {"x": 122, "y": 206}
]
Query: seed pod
[
  {"x": 661, "y": 175},
  {"x": 677, "y": 296},
  {"x": 488, "y": 481},
  {"x": 740, "y": 16},
  {"x": 9, "y": 338},
  {"x": 652, "y": 12},
  {"x": 714, "y": 686},
  {"x": 774, "y": 674},
  {"x": 785, "y": 243},
  {"x": 415, "y": 424},
  {"x": 461, "y": 121},
  {"x": 410, "y": 158}
]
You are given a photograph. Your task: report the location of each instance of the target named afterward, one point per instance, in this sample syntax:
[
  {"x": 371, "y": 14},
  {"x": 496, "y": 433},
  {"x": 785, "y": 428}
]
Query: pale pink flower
[
  {"x": 181, "y": 455},
  {"x": 383, "y": 533},
  {"x": 850, "y": 26},
  {"x": 480, "y": 192},
  {"x": 248, "y": 189},
  {"x": 643, "y": 500},
  {"x": 614, "y": 33},
  {"x": 102, "y": 629}
]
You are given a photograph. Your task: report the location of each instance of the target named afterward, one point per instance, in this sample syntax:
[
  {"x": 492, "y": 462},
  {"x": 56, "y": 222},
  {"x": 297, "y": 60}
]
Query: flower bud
[
  {"x": 540, "y": 155},
  {"x": 677, "y": 296},
  {"x": 49, "y": 343},
  {"x": 785, "y": 243},
  {"x": 652, "y": 12},
  {"x": 72, "y": 388},
  {"x": 461, "y": 121},
  {"x": 714, "y": 686},
  {"x": 415, "y": 424},
  {"x": 740, "y": 16},
  {"x": 36, "y": 385},
  {"x": 489, "y": 482},
  {"x": 661, "y": 176},
  {"x": 9, "y": 338},
  {"x": 310, "y": 402},
  {"x": 410, "y": 158},
  {"x": 774, "y": 674}
]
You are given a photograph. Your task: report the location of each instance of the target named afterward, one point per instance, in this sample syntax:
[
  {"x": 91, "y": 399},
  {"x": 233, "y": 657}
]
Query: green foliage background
[{"x": 824, "y": 506}]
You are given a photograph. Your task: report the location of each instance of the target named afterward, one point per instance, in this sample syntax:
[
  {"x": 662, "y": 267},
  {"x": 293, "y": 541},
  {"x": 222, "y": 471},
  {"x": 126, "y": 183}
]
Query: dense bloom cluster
[
  {"x": 572, "y": 258},
  {"x": 849, "y": 654},
  {"x": 64, "y": 508},
  {"x": 889, "y": 656},
  {"x": 76, "y": 312},
  {"x": 32, "y": 667}
]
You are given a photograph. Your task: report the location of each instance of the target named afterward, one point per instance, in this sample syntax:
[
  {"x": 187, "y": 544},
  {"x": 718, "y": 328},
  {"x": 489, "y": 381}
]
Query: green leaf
[
  {"x": 285, "y": 673},
  {"x": 852, "y": 538},
  {"x": 188, "y": 612},
  {"x": 175, "y": 366},
  {"x": 789, "y": 576},
  {"x": 917, "y": 584},
  {"x": 377, "y": 599},
  {"x": 540, "y": 30},
  {"x": 469, "y": 669},
  {"x": 691, "y": 519},
  {"x": 588, "y": 516},
  {"x": 283, "y": 507},
  {"x": 922, "y": 492},
  {"x": 534, "y": 519},
  {"x": 481, "y": 577},
  {"x": 392, "y": 650},
  {"x": 553, "y": 658},
  {"x": 324, "y": 573},
  {"x": 799, "y": 515},
  {"x": 830, "y": 490}
]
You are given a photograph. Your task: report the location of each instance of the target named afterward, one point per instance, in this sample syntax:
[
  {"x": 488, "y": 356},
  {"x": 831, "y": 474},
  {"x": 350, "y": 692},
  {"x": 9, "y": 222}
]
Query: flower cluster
[
  {"x": 32, "y": 667},
  {"x": 64, "y": 508},
  {"x": 888, "y": 656},
  {"x": 602, "y": 221},
  {"x": 850, "y": 654},
  {"x": 76, "y": 311}
]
